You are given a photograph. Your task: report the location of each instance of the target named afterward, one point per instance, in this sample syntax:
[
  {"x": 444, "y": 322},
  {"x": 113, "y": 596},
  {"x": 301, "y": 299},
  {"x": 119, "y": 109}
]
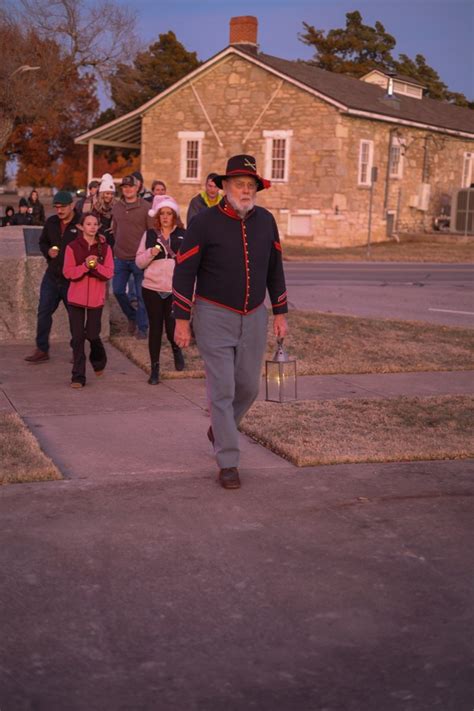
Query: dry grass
[
  {"x": 311, "y": 433},
  {"x": 21, "y": 459},
  {"x": 441, "y": 251},
  {"x": 327, "y": 343}
]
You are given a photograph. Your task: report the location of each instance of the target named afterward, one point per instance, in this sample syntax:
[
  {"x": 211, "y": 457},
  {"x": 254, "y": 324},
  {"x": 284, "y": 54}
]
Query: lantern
[{"x": 280, "y": 376}]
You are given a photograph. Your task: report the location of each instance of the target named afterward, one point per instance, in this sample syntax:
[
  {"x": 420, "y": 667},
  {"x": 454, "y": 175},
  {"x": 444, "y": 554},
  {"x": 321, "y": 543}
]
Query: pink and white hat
[{"x": 160, "y": 201}]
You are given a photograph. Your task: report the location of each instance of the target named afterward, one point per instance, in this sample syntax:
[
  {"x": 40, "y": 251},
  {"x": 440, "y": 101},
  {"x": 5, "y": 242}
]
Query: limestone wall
[
  {"x": 19, "y": 293},
  {"x": 322, "y": 197}
]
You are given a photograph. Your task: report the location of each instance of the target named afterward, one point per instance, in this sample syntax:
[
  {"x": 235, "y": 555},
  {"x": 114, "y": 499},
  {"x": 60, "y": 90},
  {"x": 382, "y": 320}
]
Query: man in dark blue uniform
[{"x": 231, "y": 255}]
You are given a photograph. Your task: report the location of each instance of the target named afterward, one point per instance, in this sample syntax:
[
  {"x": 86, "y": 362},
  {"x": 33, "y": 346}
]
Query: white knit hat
[
  {"x": 107, "y": 184},
  {"x": 160, "y": 201}
]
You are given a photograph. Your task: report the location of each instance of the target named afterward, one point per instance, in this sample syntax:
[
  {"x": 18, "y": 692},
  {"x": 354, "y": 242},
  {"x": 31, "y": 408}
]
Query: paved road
[
  {"x": 138, "y": 584},
  {"x": 437, "y": 293}
]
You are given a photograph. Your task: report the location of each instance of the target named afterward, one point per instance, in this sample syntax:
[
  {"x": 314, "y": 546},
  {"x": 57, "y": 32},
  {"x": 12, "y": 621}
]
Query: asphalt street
[
  {"x": 436, "y": 293},
  {"x": 138, "y": 584}
]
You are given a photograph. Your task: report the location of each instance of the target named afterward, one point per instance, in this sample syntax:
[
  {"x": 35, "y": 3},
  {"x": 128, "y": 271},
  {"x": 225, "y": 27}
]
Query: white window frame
[
  {"x": 366, "y": 180},
  {"x": 397, "y": 144},
  {"x": 270, "y": 137},
  {"x": 467, "y": 169},
  {"x": 185, "y": 137}
]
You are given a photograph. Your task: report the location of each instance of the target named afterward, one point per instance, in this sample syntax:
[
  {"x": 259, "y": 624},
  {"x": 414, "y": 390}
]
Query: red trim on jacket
[
  {"x": 183, "y": 298},
  {"x": 229, "y": 308},
  {"x": 184, "y": 308},
  {"x": 277, "y": 245},
  {"x": 246, "y": 266},
  {"x": 180, "y": 258},
  {"x": 227, "y": 209}
]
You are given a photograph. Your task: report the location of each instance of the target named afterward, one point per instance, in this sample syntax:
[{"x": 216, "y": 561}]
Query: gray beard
[{"x": 241, "y": 211}]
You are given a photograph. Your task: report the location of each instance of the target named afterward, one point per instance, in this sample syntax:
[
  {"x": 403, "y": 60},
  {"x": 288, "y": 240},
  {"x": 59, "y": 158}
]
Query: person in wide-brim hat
[{"x": 242, "y": 165}]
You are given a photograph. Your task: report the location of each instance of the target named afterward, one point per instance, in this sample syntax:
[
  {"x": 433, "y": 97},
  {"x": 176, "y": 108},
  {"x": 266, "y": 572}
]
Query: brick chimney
[{"x": 243, "y": 30}]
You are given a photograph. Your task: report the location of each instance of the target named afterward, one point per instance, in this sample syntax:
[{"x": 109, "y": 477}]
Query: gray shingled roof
[{"x": 356, "y": 94}]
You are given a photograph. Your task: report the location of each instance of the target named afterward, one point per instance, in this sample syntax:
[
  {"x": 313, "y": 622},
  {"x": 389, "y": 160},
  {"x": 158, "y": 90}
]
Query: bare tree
[
  {"x": 65, "y": 39},
  {"x": 29, "y": 76},
  {"x": 95, "y": 35}
]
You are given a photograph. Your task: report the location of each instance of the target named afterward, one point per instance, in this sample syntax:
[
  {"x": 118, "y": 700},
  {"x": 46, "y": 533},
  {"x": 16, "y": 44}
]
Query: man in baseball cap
[
  {"x": 58, "y": 231},
  {"x": 129, "y": 221}
]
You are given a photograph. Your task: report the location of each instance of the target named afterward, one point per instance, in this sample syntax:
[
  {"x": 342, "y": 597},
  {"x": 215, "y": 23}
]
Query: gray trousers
[{"x": 232, "y": 347}]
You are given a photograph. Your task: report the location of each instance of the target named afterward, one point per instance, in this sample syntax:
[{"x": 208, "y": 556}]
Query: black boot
[
  {"x": 154, "y": 378},
  {"x": 178, "y": 357}
]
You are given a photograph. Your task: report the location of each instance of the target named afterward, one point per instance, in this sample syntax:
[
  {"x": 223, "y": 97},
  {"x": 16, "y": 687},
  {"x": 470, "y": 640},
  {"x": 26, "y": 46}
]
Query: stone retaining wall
[{"x": 20, "y": 282}]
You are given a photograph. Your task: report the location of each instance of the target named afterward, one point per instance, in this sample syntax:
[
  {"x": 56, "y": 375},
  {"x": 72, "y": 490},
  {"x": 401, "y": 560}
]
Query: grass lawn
[
  {"x": 21, "y": 459},
  {"x": 327, "y": 343},
  {"x": 310, "y": 433},
  {"x": 441, "y": 251}
]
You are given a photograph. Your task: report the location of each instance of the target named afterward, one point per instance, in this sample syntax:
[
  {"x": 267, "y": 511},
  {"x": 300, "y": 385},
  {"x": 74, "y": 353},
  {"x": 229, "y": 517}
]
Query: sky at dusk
[{"x": 441, "y": 30}]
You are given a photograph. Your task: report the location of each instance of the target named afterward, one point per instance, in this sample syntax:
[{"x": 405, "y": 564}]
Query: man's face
[
  {"x": 241, "y": 192},
  {"x": 64, "y": 212},
  {"x": 130, "y": 192},
  {"x": 107, "y": 196},
  {"x": 93, "y": 191},
  {"x": 211, "y": 189}
]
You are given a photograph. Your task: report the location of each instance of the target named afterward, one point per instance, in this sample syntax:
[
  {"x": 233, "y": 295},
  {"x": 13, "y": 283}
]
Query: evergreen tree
[
  {"x": 358, "y": 48},
  {"x": 152, "y": 71}
]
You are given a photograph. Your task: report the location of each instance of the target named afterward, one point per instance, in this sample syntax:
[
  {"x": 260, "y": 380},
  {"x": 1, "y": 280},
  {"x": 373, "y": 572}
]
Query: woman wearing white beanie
[{"x": 102, "y": 207}]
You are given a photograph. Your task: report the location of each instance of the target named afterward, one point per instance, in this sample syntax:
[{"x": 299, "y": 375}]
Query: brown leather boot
[{"x": 37, "y": 357}]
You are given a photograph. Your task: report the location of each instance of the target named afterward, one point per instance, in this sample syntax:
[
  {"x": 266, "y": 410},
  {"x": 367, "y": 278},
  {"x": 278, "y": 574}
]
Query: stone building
[{"x": 332, "y": 145}]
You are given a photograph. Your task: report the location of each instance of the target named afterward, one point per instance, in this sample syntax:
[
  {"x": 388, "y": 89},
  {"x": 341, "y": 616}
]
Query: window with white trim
[
  {"x": 467, "y": 170},
  {"x": 396, "y": 158},
  {"x": 191, "y": 156},
  {"x": 277, "y": 155},
  {"x": 366, "y": 157}
]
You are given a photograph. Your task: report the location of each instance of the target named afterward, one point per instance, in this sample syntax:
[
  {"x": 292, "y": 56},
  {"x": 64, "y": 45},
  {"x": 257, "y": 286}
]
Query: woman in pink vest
[{"x": 88, "y": 264}]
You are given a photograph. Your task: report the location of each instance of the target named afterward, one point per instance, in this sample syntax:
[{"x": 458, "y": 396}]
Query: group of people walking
[
  {"x": 102, "y": 238},
  {"x": 217, "y": 270}
]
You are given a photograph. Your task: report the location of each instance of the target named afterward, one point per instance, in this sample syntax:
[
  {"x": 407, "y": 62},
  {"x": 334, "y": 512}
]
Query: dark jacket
[
  {"x": 7, "y": 220},
  {"x": 50, "y": 237},
  {"x": 22, "y": 218},
  {"x": 232, "y": 262},
  {"x": 196, "y": 206},
  {"x": 105, "y": 222},
  {"x": 36, "y": 212}
]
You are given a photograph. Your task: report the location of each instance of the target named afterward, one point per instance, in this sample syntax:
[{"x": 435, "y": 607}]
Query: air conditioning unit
[
  {"x": 462, "y": 212},
  {"x": 424, "y": 192}
]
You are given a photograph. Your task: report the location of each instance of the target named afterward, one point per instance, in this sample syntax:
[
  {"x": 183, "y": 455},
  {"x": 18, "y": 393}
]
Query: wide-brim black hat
[{"x": 242, "y": 165}]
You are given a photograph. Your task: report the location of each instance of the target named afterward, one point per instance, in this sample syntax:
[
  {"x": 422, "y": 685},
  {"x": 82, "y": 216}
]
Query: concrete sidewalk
[
  {"x": 130, "y": 428},
  {"x": 138, "y": 584}
]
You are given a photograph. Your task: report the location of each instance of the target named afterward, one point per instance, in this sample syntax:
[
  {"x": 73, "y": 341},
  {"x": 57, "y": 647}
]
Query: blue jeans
[
  {"x": 52, "y": 292},
  {"x": 123, "y": 269}
]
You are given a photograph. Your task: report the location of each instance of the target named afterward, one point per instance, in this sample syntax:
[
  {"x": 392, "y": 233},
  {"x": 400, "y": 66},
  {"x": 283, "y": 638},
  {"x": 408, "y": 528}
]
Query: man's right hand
[
  {"x": 53, "y": 252},
  {"x": 182, "y": 333}
]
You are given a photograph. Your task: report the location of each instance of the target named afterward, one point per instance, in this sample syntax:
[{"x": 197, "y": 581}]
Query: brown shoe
[
  {"x": 37, "y": 357},
  {"x": 132, "y": 327},
  {"x": 229, "y": 478},
  {"x": 76, "y": 385}
]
